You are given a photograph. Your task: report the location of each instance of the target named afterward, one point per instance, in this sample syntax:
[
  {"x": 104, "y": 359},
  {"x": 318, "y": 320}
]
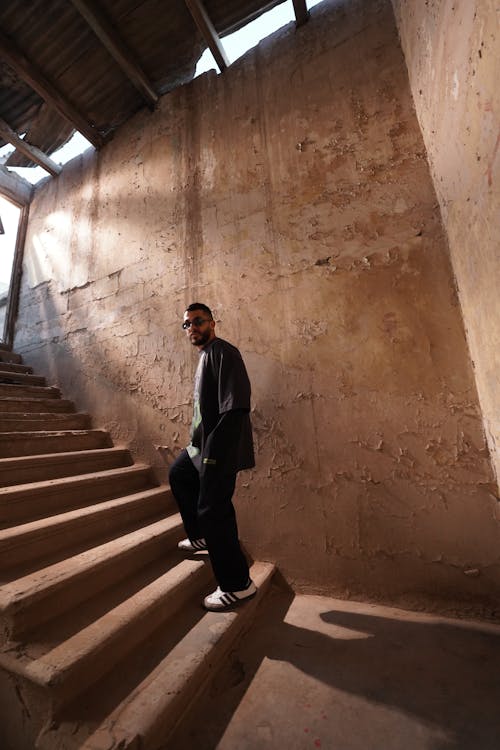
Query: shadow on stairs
[{"x": 104, "y": 643}]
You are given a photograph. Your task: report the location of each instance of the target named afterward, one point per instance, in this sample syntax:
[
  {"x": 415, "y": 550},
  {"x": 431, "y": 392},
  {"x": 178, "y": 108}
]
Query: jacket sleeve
[{"x": 233, "y": 382}]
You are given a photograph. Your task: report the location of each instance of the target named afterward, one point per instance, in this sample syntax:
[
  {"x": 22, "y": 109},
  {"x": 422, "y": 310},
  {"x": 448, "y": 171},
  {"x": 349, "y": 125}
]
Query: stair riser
[
  {"x": 32, "y": 613},
  {"x": 28, "y": 391},
  {"x": 39, "y": 468},
  {"x": 18, "y": 378},
  {"x": 47, "y": 545},
  {"x": 57, "y": 422},
  {"x": 87, "y": 671},
  {"x": 21, "y": 506},
  {"x": 36, "y": 406},
  {"x": 18, "y": 445}
]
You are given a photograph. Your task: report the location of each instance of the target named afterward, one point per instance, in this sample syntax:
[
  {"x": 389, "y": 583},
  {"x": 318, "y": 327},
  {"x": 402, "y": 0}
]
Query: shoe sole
[
  {"x": 192, "y": 550},
  {"x": 233, "y": 605}
]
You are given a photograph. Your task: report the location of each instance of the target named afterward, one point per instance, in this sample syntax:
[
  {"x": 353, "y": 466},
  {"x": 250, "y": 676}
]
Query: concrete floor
[{"x": 316, "y": 672}]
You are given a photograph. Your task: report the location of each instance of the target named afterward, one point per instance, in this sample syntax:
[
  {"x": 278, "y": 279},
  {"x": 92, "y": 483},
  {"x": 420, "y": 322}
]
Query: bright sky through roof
[
  {"x": 235, "y": 46},
  {"x": 250, "y": 35},
  {"x": 76, "y": 145}
]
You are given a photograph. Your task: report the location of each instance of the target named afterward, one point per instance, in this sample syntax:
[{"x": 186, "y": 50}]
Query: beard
[{"x": 199, "y": 339}]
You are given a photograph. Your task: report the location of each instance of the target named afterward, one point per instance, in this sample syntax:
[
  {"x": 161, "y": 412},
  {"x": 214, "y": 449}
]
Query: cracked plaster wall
[
  {"x": 452, "y": 52},
  {"x": 292, "y": 194}
]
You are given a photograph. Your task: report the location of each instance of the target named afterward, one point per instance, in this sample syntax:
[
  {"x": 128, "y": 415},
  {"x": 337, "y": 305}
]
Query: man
[{"x": 203, "y": 477}]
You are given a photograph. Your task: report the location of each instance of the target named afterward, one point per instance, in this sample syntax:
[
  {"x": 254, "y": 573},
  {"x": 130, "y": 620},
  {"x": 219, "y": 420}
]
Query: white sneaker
[
  {"x": 192, "y": 545},
  {"x": 219, "y": 599}
]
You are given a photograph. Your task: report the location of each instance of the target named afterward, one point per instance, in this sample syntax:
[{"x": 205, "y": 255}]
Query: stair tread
[
  {"x": 87, "y": 644},
  {"x": 13, "y": 367},
  {"x": 40, "y": 415},
  {"x": 33, "y": 442},
  {"x": 28, "y": 421},
  {"x": 74, "y": 481},
  {"x": 43, "y": 389},
  {"x": 153, "y": 708},
  {"x": 50, "y": 433},
  {"x": 66, "y": 457},
  {"x": 23, "y": 403},
  {"x": 8, "y": 370},
  {"x": 43, "y": 466},
  {"x": 27, "y": 399},
  {"x": 34, "y": 586},
  {"x": 55, "y": 523},
  {"x": 21, "y": 377}
]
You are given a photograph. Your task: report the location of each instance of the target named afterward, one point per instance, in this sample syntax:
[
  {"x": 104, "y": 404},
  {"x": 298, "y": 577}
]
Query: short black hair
[{"x": 200, "y": 306}]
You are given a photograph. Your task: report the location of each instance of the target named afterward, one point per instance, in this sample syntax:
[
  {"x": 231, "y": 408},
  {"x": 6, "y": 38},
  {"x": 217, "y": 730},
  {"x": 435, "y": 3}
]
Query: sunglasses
[{"x": 195, "y": 322}]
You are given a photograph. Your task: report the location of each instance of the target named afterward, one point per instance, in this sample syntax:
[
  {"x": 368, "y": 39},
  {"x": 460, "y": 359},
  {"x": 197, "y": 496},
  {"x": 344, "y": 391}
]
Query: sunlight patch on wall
[{"x": 48, "y": 256}]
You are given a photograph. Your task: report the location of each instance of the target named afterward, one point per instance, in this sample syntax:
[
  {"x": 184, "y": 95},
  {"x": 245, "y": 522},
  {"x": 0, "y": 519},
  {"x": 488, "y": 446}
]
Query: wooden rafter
[
  {"x": 207, "y": 29},
  {"x": 15, "y": 188},
  {"x": 117, "y": 48},
  {"x": 32, "y": 152},
  {"x": 301, "y": 12},
  {"x": 44, "y": 88}
]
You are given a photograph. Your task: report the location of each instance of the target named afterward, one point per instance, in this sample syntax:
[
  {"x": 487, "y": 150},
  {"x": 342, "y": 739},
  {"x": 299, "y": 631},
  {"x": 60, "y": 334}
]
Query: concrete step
[
  {"x": 8, "y": 356},
  {"x": 7, "y": 390},
  {"x": 27, "y": 602},
  {"x": 35, "y": 405},
  {"x": 70, "y": 667},
  {"x": 29, "y": 422},
  {"x": 27, "y": 469},
  {"x": 146, "y": 716},
  {"x": 61, "y": 441},
  {"x": 20, "y": 378},
  {"x": 27, "y": 502},
  {"x": 11, "y": 367},
  {"x": 46, "y": 538}
]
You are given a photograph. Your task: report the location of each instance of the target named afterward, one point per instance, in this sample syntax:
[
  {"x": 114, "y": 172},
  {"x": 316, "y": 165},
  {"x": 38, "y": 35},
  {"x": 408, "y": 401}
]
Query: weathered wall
[
  {"x": 452, "y": 51},
  {"x": 291, "y": 194}
]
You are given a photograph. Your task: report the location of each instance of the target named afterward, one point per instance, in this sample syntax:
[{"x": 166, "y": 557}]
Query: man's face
[{"x": 199, "y": 327}]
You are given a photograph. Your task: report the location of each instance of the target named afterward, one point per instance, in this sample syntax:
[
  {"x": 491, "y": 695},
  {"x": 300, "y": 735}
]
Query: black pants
[{"x": 205, "y": 504}]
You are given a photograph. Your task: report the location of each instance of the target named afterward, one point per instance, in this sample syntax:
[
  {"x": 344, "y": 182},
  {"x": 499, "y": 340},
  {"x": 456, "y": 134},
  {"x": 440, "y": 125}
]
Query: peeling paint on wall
[{"x": 293, "y": 196}]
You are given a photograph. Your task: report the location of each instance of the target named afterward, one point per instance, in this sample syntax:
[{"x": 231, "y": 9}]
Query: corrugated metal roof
[{"x": 57, "y": 40}]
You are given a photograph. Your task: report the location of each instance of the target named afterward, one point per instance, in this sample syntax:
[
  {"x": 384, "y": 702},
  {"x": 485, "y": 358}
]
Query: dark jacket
[{"x": 221, "y": 426}]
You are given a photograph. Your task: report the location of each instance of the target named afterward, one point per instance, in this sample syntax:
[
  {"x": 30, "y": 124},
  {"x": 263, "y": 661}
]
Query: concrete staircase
[{"x": 104, "y": 644}]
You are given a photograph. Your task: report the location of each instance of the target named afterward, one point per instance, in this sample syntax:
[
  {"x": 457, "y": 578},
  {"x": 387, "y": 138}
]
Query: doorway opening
[{"x": 10, "y": 217}]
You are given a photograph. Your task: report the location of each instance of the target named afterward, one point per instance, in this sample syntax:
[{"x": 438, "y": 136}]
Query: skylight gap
[
  {"x": 235, "y": 45},
  {"x": 239, "y": 42}
]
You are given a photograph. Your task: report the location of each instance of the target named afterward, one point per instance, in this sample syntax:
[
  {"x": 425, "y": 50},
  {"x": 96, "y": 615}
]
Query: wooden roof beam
[
  {"x": 15, "y": 188},
  {"x": 207, "y": 29},
  {"x": 46, "y": 90},
  {"x": 32, "y": 152},
  {"x": 301, "y": 12},
  {"x": 117, "y": 48}
]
